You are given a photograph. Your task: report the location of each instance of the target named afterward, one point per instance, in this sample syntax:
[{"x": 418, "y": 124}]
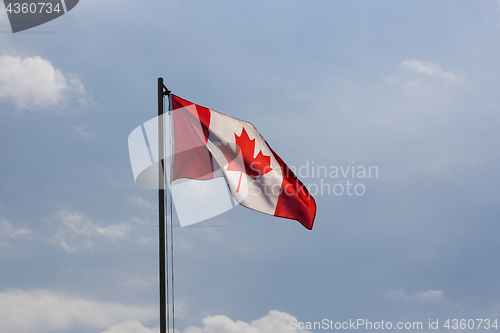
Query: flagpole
[{"x": 161, "y": 210}]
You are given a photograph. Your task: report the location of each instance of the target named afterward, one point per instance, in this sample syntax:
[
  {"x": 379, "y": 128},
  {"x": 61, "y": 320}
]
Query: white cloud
[
  {"x": 86, "y": 135},
  {"x": 131, "y": 326},
  {"x": 140, "y": 202},
  {"x": 75, "y": 231},
  {"x": 8, "y": 232},
  {"x": 426, "y": 68},
  {"x": 32, "y": 83},
  {"x": 274, "y": 322},
  {"x": 46, "y": 311},
  {"x": 423, "y": 296},
  {"x": 415, "y": 71}
]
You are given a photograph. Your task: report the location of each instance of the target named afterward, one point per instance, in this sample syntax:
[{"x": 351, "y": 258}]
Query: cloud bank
[
  {"x": 46, "y": 311},
  {"x": 274, "y": 322}
]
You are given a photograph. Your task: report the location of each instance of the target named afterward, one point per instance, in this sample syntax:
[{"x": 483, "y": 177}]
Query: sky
[{"x": 409, "y": 88}]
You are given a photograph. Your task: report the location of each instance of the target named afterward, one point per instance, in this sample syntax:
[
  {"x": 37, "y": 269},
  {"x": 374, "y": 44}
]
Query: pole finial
[{"x": 165, "y": 90}]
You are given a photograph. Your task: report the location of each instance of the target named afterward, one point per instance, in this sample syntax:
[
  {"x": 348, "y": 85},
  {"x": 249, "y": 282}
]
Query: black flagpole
[
  {"x": 162, "y": 91},
  {"x": 161, "y": 210}
]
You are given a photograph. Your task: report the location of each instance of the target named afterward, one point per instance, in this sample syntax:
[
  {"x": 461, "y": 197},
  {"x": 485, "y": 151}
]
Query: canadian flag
[{"x": 208, "y": 144}]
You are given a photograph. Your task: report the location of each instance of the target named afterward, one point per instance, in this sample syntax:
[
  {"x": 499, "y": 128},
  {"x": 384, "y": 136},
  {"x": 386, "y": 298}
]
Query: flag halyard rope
[{"x": 170, "y": 210}]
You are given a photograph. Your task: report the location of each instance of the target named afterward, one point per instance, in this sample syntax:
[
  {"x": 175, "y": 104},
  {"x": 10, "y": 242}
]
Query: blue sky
[{"x": 409, "y": 87}]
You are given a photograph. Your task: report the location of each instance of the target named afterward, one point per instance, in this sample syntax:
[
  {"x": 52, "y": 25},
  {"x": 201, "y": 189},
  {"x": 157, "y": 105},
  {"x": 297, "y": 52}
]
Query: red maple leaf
[{"x": 253, "y": 166}]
